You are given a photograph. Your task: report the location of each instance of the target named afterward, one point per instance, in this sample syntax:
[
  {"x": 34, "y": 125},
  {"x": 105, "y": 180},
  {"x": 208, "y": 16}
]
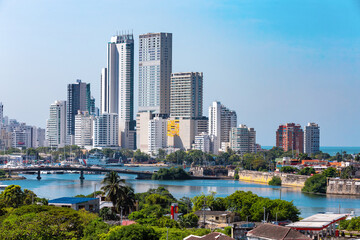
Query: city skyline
[{"x": 320, "y": 68}]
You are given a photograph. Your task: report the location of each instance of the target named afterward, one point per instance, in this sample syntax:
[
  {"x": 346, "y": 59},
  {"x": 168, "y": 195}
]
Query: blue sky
[{"x": 271, "y": 61}]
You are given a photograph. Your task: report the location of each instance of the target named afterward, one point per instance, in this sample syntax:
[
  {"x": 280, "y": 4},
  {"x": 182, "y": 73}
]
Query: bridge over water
[{"x": 81, "y": 170}]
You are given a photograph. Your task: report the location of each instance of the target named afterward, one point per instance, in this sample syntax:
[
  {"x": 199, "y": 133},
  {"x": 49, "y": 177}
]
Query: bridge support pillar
[
  {"x": 82, "y": 175},
  {"x": 38, "y": 175}
]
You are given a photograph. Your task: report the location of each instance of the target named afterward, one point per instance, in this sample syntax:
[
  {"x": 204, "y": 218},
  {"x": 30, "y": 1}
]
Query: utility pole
[
  {"x": 95, "y": 191},
  {"x": 264, "y": 215},
  {"x": 204, "y": 211},
  {"x": 276, "y": 219},
  {"x": 121, "y": 216}
]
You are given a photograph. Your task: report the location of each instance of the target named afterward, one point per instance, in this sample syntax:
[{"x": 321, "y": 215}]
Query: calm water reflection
[{"x": 59, "y": 185}]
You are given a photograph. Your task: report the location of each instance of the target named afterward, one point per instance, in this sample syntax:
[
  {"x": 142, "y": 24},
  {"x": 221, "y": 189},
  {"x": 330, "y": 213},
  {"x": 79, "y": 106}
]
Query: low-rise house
[
  {"x": 210, "y": 236},
  {"x": 89, "y": 204},
  {"x": 215, "y": 218},
  {"x": 274, "y": 232}
]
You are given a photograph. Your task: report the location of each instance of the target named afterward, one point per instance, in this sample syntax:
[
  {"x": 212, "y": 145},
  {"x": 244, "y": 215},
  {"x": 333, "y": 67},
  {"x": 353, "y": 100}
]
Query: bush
[
  {"x": 307, "y": 171},
  {"x": 275, "y": 181},
  {"x": 131, "y": 232},
  {"x": 288, "y": 169},
  {"x": 315, "y": 184},
  {"x": 171, "y": 174}
]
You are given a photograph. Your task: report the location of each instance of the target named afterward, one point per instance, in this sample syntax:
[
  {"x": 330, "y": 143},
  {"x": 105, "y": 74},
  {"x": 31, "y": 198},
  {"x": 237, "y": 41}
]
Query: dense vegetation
[
  {"x": 351, "y": 225},
  {"x": 171, "y": 174},
  {"x": 22, "y": 218},
  {"x": 275, "y": 181},
  {"x": 318, "y": 183}
]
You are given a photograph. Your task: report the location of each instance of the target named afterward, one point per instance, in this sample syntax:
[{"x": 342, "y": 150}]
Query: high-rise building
[
  {"x": 78, "y": 99},
  {"x": 203, "y": 142},
  {"x": 84, "y": 126},
  {"x": 155, "y": 67},
  {"x": 221, "y": 120},
  {"x": 157, "y": 135},
  {"x": 106, "y": 131},
  {"x": 186, "y": 94},
  {"x": 1, "y": 114},
  {"x": 312, "y": 138},
  {"x": 290, "y": 137},
  {"x": 117, "y": 86},
  {"x": 56, "y": 125},
  {"x": 243, "y": 139}
]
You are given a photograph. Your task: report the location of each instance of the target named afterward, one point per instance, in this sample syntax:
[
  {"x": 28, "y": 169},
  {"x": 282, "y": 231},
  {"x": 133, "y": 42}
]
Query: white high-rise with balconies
[
  {"x": 312, "y": 138},
  {"x": 117, "y": 86},
  {"x": 155, "y": 67},
  {"x": 243, "y": 139},
  {"x": 221, "y": 120},
  {"x": 84, "y": 126},
  {"x": 1, "y": 114},
  {"x": 186, "y": 94},
  {"x": 106, "y": 131},
  {"x": 56, "y": 125},
  {"x": 157, "y": 135}
]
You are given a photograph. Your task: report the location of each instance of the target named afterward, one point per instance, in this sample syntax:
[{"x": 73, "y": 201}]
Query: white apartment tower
[
  {"x": 243, "y": 139},
  {"x": 155, "y": 67},
  {"x": 203, "y": 142},
  {"x": 186, "y": 94},
  {"x": 312, "y": 138},
  {"x": 84, "y": 126},
  {"x": 157, "y": 134},
  {"x": 106, "y": 131},
  {"x": 1, "y": 114},
  {"x": 117, "y": 86},
  {"x": 56, "y": 125},
  {"x": 221, "y": 120}
]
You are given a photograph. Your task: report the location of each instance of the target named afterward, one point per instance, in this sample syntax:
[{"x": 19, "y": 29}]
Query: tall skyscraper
[
  {"x": 117, "y": 86},
  {"x": 155, "y": 67},
  {"x": 221, "y": 120},
  {"x": 312, "y": 138},
  {"x": 186, "y": 94},
  {"x": 243, "y": 139},
  {"x": 56, "y": 125},
  {"x": 78, "y": 99},
  {"x": 1, "y": 114},
  {"x": 157, "y": 135},
  {"x": 290, "y": 137}
]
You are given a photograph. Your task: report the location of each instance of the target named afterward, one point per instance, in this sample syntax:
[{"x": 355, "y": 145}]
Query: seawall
[
  {"x": 265, "y": 177},
  {"x": 343, "y": 186}
]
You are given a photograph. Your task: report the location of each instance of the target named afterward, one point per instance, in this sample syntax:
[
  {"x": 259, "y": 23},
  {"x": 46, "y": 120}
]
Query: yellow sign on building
[{"x": 173, "y": 128}]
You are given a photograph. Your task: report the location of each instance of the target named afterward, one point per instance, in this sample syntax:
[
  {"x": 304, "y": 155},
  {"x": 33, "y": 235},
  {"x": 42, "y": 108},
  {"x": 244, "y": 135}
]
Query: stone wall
[
  {"x": 343, "y": 186},
  {"x": 264, "y": 177}
]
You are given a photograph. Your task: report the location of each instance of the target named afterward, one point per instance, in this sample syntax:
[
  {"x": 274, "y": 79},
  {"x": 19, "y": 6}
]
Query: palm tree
[
  {"x": 113, "y": 186},
  {"x": 126, "y": 200}
]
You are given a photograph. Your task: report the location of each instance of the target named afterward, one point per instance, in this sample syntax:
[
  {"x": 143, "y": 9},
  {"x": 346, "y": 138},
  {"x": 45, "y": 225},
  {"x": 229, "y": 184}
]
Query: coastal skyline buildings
[
  {"x": 155, "y": 68},
  {"x": 243, "y": 139},
  {"x": 1, "y": 114},
  {"x": 290, "y": 137},
  {"x": 117, "y": 86},
  {"x": 221, "y": 120},
  {"x": 78, "y": 99},
  {"x": 186, "y": 94},
  {"x": 56, "y": 125},
  {"x": 106, "y": 131},
  {"x": 311, "y": 138}
]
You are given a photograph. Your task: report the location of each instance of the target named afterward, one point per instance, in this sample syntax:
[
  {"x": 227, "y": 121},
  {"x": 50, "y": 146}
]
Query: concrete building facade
[
  {"x": 56, "y": 125},
  {"x": 186, "y": 94},
  {"x": 84, "y": 128},
  {"x": 155, "y": 67},
  {"x": 106, "y": 131},
  {"x": 221, "y": 120},
  {"x": 157, "y": 135},
  {"x": 312, "y": 138},
  {"x": 290, "y": 137},
  {"x": 117, "y": 86},
  {"x": 202, "y": 143},
  {"x": 243, "y": 139},
  {"x": 1, "y": 114}
]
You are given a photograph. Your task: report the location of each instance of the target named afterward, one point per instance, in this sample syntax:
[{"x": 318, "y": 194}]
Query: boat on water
[{"x": 98, "y": 159}]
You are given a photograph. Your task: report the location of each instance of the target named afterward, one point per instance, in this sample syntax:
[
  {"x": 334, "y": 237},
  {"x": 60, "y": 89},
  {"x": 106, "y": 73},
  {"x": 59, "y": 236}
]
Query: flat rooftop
[
  {"x": 317, "y": 221},
  {"x": 70, "y": 200}
]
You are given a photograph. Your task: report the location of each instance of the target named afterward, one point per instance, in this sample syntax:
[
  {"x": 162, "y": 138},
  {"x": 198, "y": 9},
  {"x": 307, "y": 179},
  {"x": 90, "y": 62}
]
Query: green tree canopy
[{"x": 315, "y": 184}]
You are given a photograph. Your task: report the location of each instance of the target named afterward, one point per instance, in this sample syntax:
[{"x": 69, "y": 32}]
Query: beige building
[{"x": 186, "y": 94}]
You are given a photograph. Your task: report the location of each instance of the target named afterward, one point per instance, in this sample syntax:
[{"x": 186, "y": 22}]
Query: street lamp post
[{"x": 264, "y": 214}]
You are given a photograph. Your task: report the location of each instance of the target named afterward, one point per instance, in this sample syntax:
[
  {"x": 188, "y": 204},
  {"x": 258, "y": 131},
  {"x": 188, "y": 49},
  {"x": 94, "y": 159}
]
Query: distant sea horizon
[{"x": 331, "y": 149}]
